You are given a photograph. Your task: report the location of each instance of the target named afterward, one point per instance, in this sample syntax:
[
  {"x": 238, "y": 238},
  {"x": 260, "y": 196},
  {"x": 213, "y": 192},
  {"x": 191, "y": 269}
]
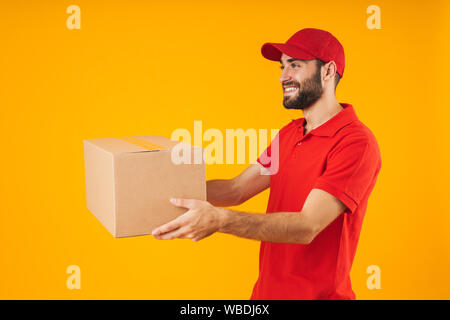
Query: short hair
[{"x": 337, "y": 77}]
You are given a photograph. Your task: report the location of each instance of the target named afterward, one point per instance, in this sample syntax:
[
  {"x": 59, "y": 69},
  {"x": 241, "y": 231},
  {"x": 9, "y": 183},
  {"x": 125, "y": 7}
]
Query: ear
[{"x": 330, "y": 71}]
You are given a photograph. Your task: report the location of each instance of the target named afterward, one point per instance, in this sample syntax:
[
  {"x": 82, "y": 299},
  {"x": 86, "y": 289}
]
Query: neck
[{"x": 320, "y": 112}]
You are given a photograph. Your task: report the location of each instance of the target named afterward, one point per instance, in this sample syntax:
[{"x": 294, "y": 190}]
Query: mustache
[{"x": 291, "y": 83}]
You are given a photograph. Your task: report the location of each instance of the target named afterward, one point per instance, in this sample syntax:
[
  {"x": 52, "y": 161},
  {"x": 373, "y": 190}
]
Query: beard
[{"x": 309, "y": 91}]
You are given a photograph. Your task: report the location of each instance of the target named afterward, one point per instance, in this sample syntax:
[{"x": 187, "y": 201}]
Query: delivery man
[{"x": 326, "y": 167}]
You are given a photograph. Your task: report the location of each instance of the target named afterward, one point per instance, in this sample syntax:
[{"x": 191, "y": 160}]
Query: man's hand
[{"x": 200, "y": 221}]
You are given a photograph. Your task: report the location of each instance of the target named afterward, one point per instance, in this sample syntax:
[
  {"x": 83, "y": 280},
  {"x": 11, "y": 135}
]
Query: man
[{"x": 328, "y": 163}]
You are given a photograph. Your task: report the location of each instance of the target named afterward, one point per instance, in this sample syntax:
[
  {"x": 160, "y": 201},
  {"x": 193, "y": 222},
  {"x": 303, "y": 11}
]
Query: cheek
[{"x": 299, "y": 76}]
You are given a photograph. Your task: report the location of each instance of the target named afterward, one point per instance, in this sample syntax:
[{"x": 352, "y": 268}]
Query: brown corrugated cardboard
[{"x": 130, "y": 180}]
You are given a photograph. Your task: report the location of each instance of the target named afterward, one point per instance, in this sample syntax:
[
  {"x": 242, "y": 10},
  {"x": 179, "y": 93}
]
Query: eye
[
  {"x": 281, "y": 67},
  {"x": 295, "y": 65}
]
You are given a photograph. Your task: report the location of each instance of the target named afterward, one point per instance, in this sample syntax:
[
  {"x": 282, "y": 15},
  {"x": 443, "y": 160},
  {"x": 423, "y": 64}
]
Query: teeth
[{"x": 290, "y": 89}]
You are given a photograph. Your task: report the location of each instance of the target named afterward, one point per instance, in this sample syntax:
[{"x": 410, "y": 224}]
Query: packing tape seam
[{"x": 142, "y": 143}]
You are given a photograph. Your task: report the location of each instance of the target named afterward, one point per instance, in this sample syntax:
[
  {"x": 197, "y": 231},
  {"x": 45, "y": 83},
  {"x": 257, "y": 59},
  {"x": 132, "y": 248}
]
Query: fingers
[
  {"x": 180, "y": 227},
  {"x": 184, "y": 203},
  {"x": 176, "y": 223},
  {"x": 168, "y": 227},
  {"x": 183, "y": 232}
]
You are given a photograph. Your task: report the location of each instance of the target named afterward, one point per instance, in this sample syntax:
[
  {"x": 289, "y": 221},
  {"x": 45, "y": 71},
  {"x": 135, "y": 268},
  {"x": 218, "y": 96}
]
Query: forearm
[
  {"x": 222, "y": 193},
  {"x": 284, "y": 227}
]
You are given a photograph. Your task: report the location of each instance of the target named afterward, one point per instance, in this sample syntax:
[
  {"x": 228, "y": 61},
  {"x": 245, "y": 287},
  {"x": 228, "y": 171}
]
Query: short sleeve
[
  {"x": 351, "y": 169},
  {"x": 265, "y": 159}
]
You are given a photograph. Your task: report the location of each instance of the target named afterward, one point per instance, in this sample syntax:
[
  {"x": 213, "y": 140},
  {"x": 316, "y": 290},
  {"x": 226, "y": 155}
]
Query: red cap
[{"x": 308, "y": 44}]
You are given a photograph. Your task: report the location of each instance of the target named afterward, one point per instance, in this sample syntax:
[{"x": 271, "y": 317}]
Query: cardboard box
[{"x": 130, "y": 180}]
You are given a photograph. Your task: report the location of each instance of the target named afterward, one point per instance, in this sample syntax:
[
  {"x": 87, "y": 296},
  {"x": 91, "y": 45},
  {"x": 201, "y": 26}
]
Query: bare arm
[
  {"x": 202, "y": 219},
  {"x": 232, "y": 192},
  {"x": 319, "y": 210}
]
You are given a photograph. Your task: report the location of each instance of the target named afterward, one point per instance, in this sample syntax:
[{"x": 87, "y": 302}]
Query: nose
[{"x": 285, "y": 76}]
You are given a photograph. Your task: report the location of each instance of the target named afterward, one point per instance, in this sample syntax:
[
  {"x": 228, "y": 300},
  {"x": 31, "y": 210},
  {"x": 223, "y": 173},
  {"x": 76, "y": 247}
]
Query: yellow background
[{"x": 150, "y": 67}]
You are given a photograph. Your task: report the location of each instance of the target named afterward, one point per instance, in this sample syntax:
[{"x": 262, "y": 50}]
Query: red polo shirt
[{"x": 342, "y": 158}]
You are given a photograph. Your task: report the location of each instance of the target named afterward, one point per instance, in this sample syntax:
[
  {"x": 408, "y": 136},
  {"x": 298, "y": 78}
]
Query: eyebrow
[{"x": 290, "y": 60}]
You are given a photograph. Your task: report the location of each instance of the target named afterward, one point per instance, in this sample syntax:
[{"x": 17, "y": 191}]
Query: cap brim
[{"x": 274, "y": 51}]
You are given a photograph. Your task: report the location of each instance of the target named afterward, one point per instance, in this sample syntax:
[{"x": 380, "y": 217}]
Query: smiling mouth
[{"x": 290, "y": 90}]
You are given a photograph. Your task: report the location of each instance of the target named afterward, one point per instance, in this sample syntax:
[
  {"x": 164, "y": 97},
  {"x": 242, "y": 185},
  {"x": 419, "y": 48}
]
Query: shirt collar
[{"x": 330, "y": 127}]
